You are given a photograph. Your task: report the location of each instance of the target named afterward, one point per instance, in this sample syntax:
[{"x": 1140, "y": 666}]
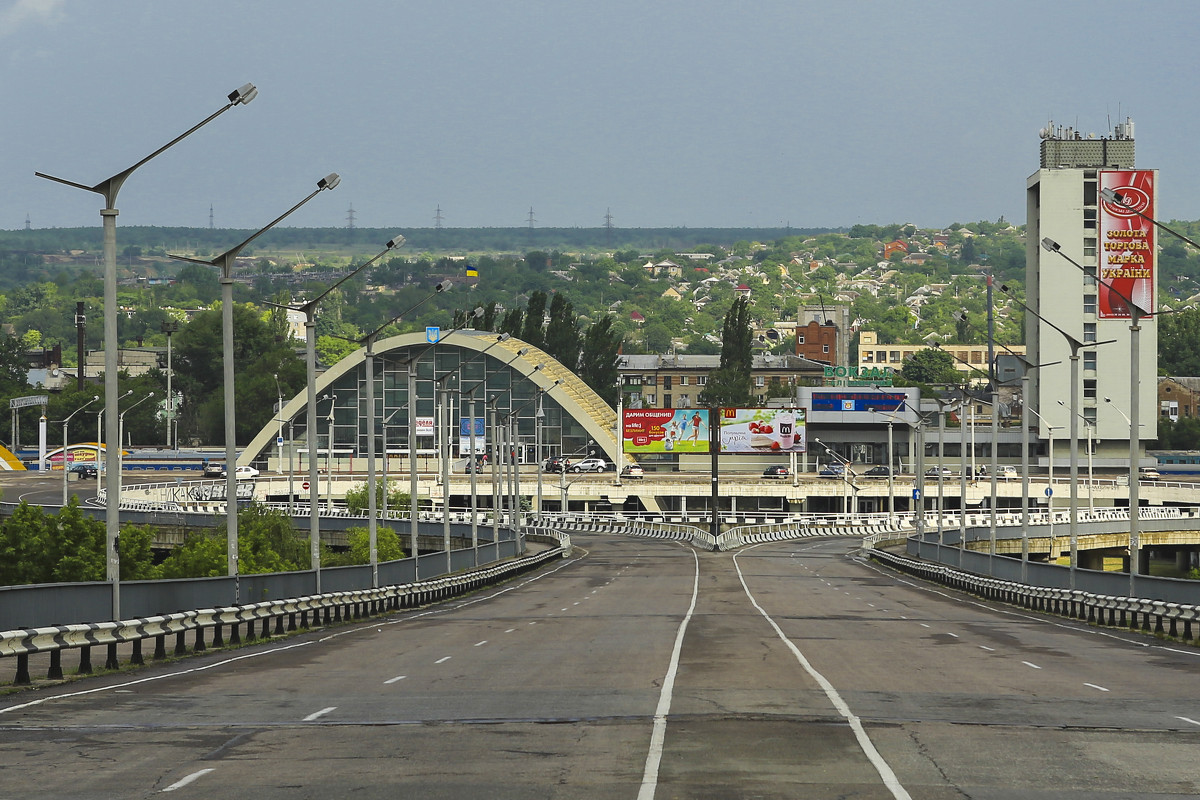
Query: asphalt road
[{"x": 641, "y": 669}]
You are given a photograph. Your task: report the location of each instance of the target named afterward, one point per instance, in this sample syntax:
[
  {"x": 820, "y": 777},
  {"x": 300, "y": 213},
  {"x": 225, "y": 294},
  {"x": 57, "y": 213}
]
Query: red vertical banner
[{"x": 1126, "y": 257}]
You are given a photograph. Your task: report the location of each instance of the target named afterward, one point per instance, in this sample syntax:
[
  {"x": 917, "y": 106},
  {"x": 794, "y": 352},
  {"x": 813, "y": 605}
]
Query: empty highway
[{"x": 640, "y": 669}]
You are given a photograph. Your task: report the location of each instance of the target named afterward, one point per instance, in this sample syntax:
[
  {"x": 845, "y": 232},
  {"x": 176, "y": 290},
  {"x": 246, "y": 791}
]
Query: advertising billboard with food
[
  {"x": 763, "y": 430},
  {"x": 665, "y": 430}
]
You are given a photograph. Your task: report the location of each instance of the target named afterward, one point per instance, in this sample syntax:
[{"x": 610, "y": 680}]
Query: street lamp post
[
  {"x": 225, "y": 262},
  {"x": 109, "y": 189},
  {"x": 66, "y": 444},
  {"x": 121, "y": 435},
  {"x": 1088, "y": 425},
  {"x": 1075, "y": 345},
  {"x": 847, "y": 478}
]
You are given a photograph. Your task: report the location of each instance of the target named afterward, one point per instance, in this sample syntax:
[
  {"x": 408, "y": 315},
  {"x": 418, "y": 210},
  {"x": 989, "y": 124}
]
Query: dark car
[
  {"x": 835, "y": 470},
  {"x": 878, "y": 471},
  {"x": 776, "y": 471},
  {"x": 556, "y": 464},
  {"x": 84, "y": 470}
]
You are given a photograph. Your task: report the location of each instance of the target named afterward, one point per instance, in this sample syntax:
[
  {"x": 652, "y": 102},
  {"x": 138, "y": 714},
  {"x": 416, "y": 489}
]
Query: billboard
[
  {"x": 856, "y": 401},
  {"x": 763, "y": 430},
  {"x": 665, "y": 430},
  {"x": 1126, "y": 257},
  {"x": 464, "y": 435}
]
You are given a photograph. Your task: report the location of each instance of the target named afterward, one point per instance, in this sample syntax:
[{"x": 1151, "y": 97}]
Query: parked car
[
  {"x": 242, "y": 473},
  {"x": 633, "y": 471},
  {"x": 556, "y": 464},
  {"x": 589, "y": 465},
  {"x": 778, "y": 471},
  {"x": 933, "y": 472},
  {"x": 84, "y": 471},
  {"x": 834, "y": 470},
  {"x": 1148, "y": 474},
  {"x": 878, "y": 471}
]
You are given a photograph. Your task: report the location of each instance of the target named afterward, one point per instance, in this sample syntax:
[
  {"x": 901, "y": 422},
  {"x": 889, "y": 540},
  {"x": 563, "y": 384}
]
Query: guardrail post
[
  {"x": 218, "y": 635},
  {"x": 136, "y": 657},
  {"x": 279, "y": 631},
  {"x": 198, "y": 645},
  {"x": 22, "y": 670},
  {"x": 1173, "y": 631},
  {"x": 235, "y": 635},
  {"x": 160, "y": 647},
  {"x": 85, "y": 660},
  {"x": 111, "y": 662},
  {"x": 266, "y": 628},
  {"x": 55, "y": 672},
  {"x": 1187, "y": 630},
  {"x": 180, "y": 644}
]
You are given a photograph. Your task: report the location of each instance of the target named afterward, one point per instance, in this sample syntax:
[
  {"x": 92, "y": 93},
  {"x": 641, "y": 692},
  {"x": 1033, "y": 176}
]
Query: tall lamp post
[
  {"x": 66, "y": 443},
  {"x": 225, "y": 262},
  {"x": 1088, "y": 426},
  {"x": 310, "y": 347},
  {"x": 1136, "y": 313},
  {"x": 1075, "y": 345},
  {"x": 121, "y": 435},
  {"x": 1050, "y": 429},
  {"x": 108, "y": 215}
]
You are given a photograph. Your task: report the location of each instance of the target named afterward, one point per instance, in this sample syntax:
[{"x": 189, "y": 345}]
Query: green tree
[
  {"x": 357, "y": 498},
  {"x": 562, "y": 333},
  {"x": 599, "y": 358},
  {"x": 533, "y": 331},
  {"x": 387, "y": 548},
  {"x": 930, "y": 367},
  {"x": 1179, "y": 343},
  {"x": 730, "y": 384}
]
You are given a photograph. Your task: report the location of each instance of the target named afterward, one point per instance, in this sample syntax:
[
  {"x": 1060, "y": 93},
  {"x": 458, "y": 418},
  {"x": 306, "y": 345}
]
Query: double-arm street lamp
[
  {"x": 121, "y": 435},
  {"x": 225, "y": 262},
  {"x": 309, "y": 309},
  {"x": 66, "y": 445},
  {"x": 847, "y": 477},
  {"x": 109, "y": 189}
]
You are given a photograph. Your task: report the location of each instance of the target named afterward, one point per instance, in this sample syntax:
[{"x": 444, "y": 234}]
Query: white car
[
  {"x": 589, "y": 465},
  {"x": 242, "y": 472}
]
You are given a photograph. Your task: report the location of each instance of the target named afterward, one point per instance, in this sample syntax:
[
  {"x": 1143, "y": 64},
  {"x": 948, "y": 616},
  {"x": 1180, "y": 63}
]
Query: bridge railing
[{"x": 208, "y": 626}]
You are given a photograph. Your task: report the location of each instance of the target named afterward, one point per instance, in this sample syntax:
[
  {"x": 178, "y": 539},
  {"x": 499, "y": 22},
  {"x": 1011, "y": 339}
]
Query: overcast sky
[{"x": 693, "y": 113}]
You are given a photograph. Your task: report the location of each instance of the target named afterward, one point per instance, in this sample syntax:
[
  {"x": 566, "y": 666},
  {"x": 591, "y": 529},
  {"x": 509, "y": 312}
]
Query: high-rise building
[{"x": 1114, "y": 256}]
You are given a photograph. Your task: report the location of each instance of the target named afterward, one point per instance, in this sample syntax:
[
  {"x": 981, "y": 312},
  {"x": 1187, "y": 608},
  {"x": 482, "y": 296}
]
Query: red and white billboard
[{"x": 1126, "y": 257}]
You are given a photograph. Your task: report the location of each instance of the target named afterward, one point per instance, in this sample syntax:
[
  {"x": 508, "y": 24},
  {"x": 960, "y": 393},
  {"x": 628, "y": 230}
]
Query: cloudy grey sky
[{"x": 669, "y": 112}]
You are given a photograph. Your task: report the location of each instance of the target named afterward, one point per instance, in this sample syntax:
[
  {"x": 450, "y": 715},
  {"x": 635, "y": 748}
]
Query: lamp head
[
  {"x": 243, "y": 95},
  {"x": 478, "y": 312},
  {"x": 395, "y": 241},
  {"x": 504, "y": 337},
  {"x": 330, "y": 181},
  {"x": 1051, "y": 245},
  {"x": 442, "y": 286}
]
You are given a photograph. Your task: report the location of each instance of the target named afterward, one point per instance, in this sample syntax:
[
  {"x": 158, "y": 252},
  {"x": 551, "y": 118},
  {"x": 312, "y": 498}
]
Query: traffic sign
[
  {"x": 1049, "y": 491},
  {"x": 916, "y": 494},
  {"x": 304, "y": 485}
]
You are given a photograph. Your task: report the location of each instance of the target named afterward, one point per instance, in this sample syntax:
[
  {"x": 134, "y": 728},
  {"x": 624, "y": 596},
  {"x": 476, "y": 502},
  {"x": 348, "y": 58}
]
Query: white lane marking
[
  {"x": 443, "y": 659},
  {"x": 1030, "y": 664},
  {"x": 510, "y": 630},
  {"x": 478, "y": 644},
  {"x": 985, "y": 647},
  {"x": 659, "y": 733},
  {"x": 955, "y": 635},
  {"x": 395, "y": 679},
  {"x": 1188, "y": 719},
  {"x": 923, "y": 625},
  {"x": 182, "y": 782},
  {"x": 153, "y": 678},
  {"x": 1097, "y": 688},
  {"x": 319, "y": 714},
  {"x": 864, "y": 741}
]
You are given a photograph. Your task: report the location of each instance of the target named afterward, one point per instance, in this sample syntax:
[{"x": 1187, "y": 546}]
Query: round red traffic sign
[{"x": 304, "y": 485}]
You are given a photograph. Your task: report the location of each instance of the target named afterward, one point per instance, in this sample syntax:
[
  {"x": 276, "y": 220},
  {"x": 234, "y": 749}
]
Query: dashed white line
[
  {"x": 318, "y": 714},
  {"x": 179, "y": 784},
  {"x": 477, "y": 644},
  {"x": 1189, "y": 720},
  {"x": 985, "y": 647},
  {"x": 510, "y": 630},
  {"x": 1030, "y": 664},
  {"x": 1097, "y": 688},
  {"x": 395, "y": 679},
  {"x": 923, "y": 625},
  {"x": 443, "y": 659},
  {"x": 955, "y": 635}
]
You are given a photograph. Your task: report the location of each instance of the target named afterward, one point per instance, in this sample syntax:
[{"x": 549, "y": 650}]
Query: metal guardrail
[
  {"x": 302, "y": 612},
  {"x": 1176, "y": 620}
]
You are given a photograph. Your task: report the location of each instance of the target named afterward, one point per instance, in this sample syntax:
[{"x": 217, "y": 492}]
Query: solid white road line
[
  {"x": 395, "y": 679},
  {"x": 1030, "y": 664},
  {"x": 1097, "y": 688},
  {"x": 1189, "y": 720},
  {"x": 179, "y": 784},
  {"x": 864, "y": 741},
  {"x": 659, "y": 733}
]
